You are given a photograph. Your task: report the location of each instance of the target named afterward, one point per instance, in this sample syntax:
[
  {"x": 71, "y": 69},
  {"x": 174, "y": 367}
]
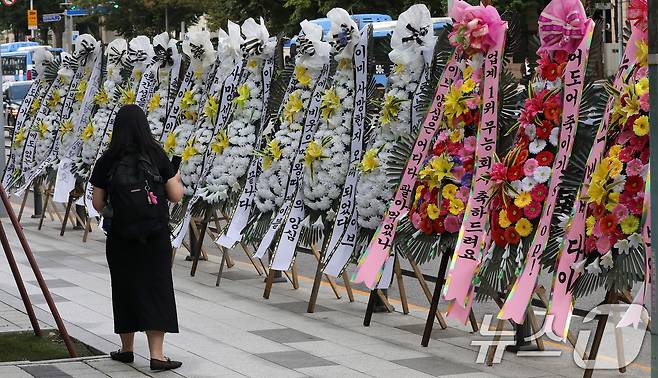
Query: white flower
[
  {"x": 606, "y": 260},
  {"x": 542, "y": 174},
  {"x": 623, "y": 246},
  {"x": 635, "y": 240},
  {"x": 594, "y": 267},
  {"x": 531, "y": 131},
  {"x": 528, "y": 183},
  {"x": 536, "y": 146},
  {"x": 553, "y": 139}
]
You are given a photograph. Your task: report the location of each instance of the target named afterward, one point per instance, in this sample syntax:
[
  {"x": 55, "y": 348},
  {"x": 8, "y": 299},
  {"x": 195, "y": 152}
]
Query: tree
[
  {"x": 130, "y": 18},
  {"x": 14, "y": 18}
]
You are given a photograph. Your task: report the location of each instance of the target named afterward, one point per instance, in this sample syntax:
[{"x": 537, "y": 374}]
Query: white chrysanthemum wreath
[
  {"x": 280, "y": 153},
  {"x": 192, "y": 157},
  {"x": 166, "y": 52},
  {"x": 327, "y": 156},
  {"x": 394, "y": 121},
  {"x": 93, "y": 134},
  {"x": 48, "y": 125},
  {"x": 198, "y": 47},
  {"x": 236, "y": 144}
]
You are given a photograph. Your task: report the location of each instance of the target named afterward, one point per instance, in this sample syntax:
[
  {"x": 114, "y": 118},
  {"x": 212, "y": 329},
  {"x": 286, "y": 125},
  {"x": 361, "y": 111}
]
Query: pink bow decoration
[
  {"x": 562, "y": 25},
  {"x": 476, "y": 27},
  {"x": 638, "y": 13}
]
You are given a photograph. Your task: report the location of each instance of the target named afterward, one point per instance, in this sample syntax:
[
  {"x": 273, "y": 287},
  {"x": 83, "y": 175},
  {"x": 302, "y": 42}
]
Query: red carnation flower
[
  {"x": 426, "y": 226},
  {"x": 539, "y": 192},
  {"x": 514, "y": 213},
  {"x": 608, "y": 224},
  {"x": 521, "y": 157},
  {"x": 439, "y": 148},
  {"x": 550, "y": 71},
  {"x": 469, "y": 164},
  {"x": 438, "y": 225},
  {"x": 552, "y": 111},
  {"x": 544, "y": 130},
  {"x": 597, "y": 210},
  {"x": 590, "y": 245},
  {"x": 634, "y": 184},
  {"x": 515, "y": 173},
  {"x": 545, "y": 158},
  {"x": 533, "y": 210},
  {"x": 644, "y": 156},
  {"x": 626, "y": 154},
  {"x": 511, "y": 236},
  {"x": 499, "y": 238}
]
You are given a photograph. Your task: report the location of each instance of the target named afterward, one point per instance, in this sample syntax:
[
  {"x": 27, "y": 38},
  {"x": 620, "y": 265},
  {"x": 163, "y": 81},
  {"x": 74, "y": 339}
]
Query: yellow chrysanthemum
[
  {"x": 190, "y": 150},
  {"x": 642, "y": 53},
  {"x": 66, "y": 127},
  {"x": 128, "y": 96},
  {"x": 313, "y": 151},
  {"x": 523, "y": 199},
  {"x": 419, "y": 192},
  {"x": 42, "y": 128},
  {"x": 641, "y": 126},
  {"x": 303, "y": 77},
  {"x": 190, "y": 115},
  {"x": 211, "y": 108},
  {"x": 154, "y": 103},
  {"x": 449, "y": 191},
  {"x": 596, "y": 192},
  {"x": 468, "y": 72},
  {"x": 433, "y": 211},
  {"x": 54, "y": 99},
  {"x": 344, "y": 64},
  {"x": 614, "y": 151},
  {"x": 398, "y": 68},
  {"x": 454, "y": 104},
  {"x": 456, "y": 135},
  {"x": 523, "y": 227},
  {"x": 34, "y": 108},
  {"x": 456, "y": 206},
  {"x": 613, "y": 165},
  {"x": 369, "y": 162},
  {"x": 101, "y": 98},
  {"x": 220, "y": 143},
  {"x": 252, "y": 63},
  {"x": 293, "y": 106},
  {"x": 390, "y": 109},
  {"x": 614, "y": 197},
  {"x": 642, "y": 87},
  {"x": 274, "y": 148},
  {"x": 503, "y": 221},
  {"x": 81, "y": 90},
  {"x": 589, "y": 223},
  {"x": 244, "y": 95},
  {"x": 330, "y": 103},
  {"x": 629, "y": 225},
  {"x": 198, "y": 74},
  {"x": 188, "y": 100},
  {"x": 88, "y": 132},
  {"x": 19, "y": 137},
  {"x": 436, "y": 170},
  {"x": 170, "y": 143},
  {"x": 468, "y": 86}
]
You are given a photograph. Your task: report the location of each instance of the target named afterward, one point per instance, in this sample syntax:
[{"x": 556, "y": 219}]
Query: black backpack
[{"x": 137, "y": 201}]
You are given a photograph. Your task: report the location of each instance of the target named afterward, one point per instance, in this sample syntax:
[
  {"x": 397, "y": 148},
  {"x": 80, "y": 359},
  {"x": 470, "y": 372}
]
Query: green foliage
[
  {"x": 130, "y": 18},
  {"x": 14, "y": 18}
]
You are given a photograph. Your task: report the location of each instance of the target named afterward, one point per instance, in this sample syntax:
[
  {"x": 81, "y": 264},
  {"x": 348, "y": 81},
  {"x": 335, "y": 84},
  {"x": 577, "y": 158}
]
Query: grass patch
[{"x": 25, "y": 346}]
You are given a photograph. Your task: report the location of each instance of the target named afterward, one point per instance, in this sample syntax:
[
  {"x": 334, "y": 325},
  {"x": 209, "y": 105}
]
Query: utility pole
[
  {"x": 653, "y": 117},
  {"x": 3, "y": 211}
]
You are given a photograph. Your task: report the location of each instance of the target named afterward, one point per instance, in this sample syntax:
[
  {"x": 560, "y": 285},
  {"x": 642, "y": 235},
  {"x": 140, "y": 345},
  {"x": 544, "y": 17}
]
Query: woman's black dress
[{"x": 140, "y": 270}]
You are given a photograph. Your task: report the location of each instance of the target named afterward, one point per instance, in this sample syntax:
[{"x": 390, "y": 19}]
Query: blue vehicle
[
  {"x": 360, "y": 19},
  {"x": 17, "y": 60},
  {"x": 384, "y": 30}
]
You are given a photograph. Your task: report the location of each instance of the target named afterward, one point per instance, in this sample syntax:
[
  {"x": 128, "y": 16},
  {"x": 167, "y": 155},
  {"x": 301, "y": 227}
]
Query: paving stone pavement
[{"x": 231, "y": 331}]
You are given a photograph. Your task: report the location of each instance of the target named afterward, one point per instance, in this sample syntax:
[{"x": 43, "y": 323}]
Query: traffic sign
[
  {"x": 76, "y": 12},
  {"x": 32, "y": 19},
  {"x": 51, "y": 17}
]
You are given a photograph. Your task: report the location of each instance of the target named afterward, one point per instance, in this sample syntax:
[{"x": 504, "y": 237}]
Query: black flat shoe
[
  {"x": 160, "y": 365},
  {"x": 191, "y": 258},
  {"x": 125, "y": 357}
]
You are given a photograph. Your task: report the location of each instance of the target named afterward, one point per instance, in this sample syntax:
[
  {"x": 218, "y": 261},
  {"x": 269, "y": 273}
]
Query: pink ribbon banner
[
  {"x": 519, "y": 297},
  {"x": 472, "y": 231},
  {"x": 370, "y": 266},
  {"x": 562, "y": 304}
]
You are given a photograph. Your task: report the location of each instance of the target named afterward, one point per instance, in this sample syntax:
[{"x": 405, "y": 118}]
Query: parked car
[{"x": 13, "y": 94}]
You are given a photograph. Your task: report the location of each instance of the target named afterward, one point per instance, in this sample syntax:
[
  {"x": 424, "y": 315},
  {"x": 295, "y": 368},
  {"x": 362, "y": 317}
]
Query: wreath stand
[
  {"x": 422, "y": 280},
  {"x": 4, "y": 241},
  {"x": 73, "y": 217},
  {"x": 434, "y": 302},
  {"x": 46, "y": 204},
  {"x": 317, "y": 281},
  {"x": 271, "y": 276}
]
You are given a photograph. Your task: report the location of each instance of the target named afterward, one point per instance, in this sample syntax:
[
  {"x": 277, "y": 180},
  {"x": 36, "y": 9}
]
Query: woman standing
[{"x": 133, "y": 182}]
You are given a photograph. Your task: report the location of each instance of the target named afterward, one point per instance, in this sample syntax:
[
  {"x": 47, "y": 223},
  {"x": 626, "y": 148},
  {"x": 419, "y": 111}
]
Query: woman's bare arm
[
  {"x": 98, "y": 199},
  {"x": 174, "y": 188}
]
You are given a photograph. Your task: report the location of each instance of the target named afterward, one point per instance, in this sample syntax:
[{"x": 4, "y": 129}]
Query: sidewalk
[{"x": 232, "y": 331}]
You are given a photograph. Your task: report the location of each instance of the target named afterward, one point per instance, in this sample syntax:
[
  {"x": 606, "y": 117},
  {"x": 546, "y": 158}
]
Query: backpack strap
[{"x": 146, "y": 165}]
